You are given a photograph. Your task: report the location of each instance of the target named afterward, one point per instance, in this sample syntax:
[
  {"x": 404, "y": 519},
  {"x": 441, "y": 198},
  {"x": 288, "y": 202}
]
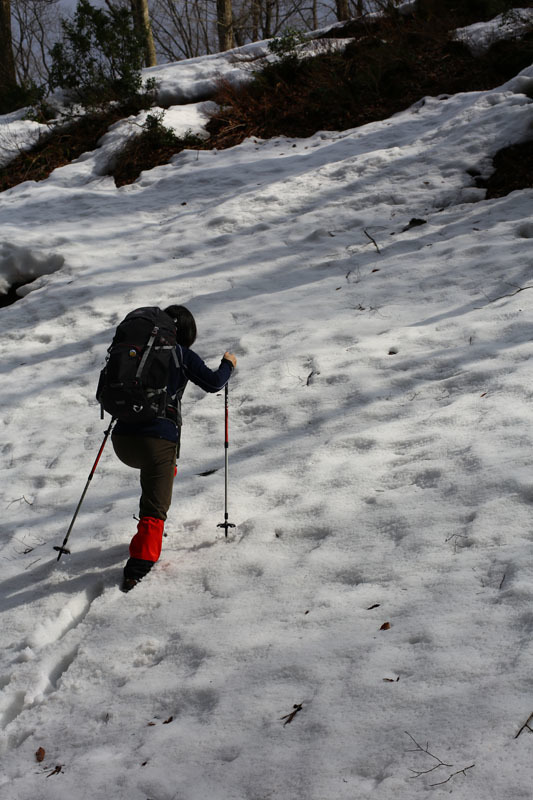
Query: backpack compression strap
[{"x": 146, "y": 353}]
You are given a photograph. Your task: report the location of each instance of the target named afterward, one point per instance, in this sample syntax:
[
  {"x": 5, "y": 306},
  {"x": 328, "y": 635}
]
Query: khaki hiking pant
[{"x": 156, "y": 459}]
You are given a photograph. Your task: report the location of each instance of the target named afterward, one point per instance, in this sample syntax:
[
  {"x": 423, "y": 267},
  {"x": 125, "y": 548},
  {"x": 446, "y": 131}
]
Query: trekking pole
[
  {"x": 226, "y": 524},
  {"x": 64, "y": 549}
]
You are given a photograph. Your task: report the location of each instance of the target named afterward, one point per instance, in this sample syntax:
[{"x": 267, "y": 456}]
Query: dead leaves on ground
[{"x": 165, "y": 722}]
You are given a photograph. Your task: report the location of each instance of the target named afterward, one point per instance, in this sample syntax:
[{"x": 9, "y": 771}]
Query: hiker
[{"x": 153, "y": 447}]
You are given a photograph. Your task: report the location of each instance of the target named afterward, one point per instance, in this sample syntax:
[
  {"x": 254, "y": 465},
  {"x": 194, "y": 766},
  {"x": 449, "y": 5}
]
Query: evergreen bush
[
  {"x": 99, "y": 58},
  {"x": 288, "y": 65},
  {"x": 286, "y": 45},
  {"x": 154, "y": 145}
]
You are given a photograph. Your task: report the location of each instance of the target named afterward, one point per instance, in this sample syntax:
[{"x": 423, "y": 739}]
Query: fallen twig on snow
[
  {"x": 420, "y": 749},
  {"x": 372, "y": 240},
  {"x": 289, "y": 717},
  {"x": 459, "y": 772},
  {"x": 454, "y": 537},
  {"x": 512, "y": 294},
  {"x": 440, "y": 763},
  {"x": 20, "y": 500},
  {"x": 524, "y": 726}
]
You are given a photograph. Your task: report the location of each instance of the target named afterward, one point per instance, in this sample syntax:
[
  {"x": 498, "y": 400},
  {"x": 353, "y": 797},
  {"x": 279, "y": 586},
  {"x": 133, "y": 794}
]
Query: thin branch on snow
[
  {"x": 524, "y": 726},
  {"x": 27, "y": 548},
  {"x": 455, "y": 537},
  {"x": 372, "y": 240},
  {"x": 20, "y": 500},
  {"x": 459, "y": 772},
  {"x": 440, "y": 763},
  {"x": 503, "y": 296},
  {"x": 420, "y": 749}
]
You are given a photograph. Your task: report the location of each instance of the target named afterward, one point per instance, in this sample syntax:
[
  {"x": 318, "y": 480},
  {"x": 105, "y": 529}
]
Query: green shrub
[
  {"x": 100, "y": 57},
  {"x": 155, "y": 134},
  {"x": 155, "y": 145},
  {"x": 286, "y": 46},
  {"x": 288, "y": 65}
]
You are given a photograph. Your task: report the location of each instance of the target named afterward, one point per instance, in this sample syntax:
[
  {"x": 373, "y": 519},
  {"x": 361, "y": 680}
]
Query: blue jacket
[{"x": 191, "y": 368}]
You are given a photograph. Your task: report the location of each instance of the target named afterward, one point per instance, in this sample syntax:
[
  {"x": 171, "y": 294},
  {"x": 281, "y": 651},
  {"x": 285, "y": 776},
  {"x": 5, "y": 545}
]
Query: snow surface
[
  {"x": 17, "y": 134},
  {"x": 380, "y": 472},
  {"x": 183, "y": 89},
  {"x": 198, "y": 78},
  {"x": 481, "y": 35}
]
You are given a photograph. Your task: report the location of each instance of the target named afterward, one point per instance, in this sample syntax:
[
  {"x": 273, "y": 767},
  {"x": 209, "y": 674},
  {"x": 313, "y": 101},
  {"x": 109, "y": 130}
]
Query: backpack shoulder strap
[{"x": 177, "y": 355}]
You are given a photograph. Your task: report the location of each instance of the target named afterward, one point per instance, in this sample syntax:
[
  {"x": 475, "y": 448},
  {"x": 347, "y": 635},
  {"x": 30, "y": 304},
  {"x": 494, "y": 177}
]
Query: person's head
[{"x": 185, "y": 324}]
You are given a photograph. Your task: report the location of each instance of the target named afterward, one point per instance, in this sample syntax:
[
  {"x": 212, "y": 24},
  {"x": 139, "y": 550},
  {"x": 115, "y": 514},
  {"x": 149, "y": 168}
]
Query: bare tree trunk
[
  {"x": 255, "y": 20},
  {"x": 141, "y": 22},
  {"x": 8, "y": 77},
  {"x": 267, "y": 20},
  {"x": 342, "y": 10},
  {"x": 225, "y": 24}
]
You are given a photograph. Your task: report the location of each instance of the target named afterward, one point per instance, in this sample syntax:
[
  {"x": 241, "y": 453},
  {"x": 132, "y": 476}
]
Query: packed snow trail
[{"x": 380, "y": 474}]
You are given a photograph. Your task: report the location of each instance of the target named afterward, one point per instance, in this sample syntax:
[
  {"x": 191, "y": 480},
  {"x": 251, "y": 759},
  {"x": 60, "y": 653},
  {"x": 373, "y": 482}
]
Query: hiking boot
[{"x": 128, "y": 584}]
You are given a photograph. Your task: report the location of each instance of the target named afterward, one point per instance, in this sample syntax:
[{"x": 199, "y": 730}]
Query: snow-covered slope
[{"x": 380, "y": 472}]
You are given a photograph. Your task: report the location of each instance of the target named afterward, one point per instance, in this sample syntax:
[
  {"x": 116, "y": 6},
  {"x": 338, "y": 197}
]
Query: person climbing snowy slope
[{"x": 153, "y": 447}]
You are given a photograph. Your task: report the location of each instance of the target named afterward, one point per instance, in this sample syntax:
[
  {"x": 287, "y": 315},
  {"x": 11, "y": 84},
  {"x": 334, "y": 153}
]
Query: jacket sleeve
[{"x": 199, "y": 373}]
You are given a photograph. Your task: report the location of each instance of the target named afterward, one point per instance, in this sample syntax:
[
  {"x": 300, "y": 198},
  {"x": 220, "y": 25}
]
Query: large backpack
[{"x": 133, "y": 383}]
